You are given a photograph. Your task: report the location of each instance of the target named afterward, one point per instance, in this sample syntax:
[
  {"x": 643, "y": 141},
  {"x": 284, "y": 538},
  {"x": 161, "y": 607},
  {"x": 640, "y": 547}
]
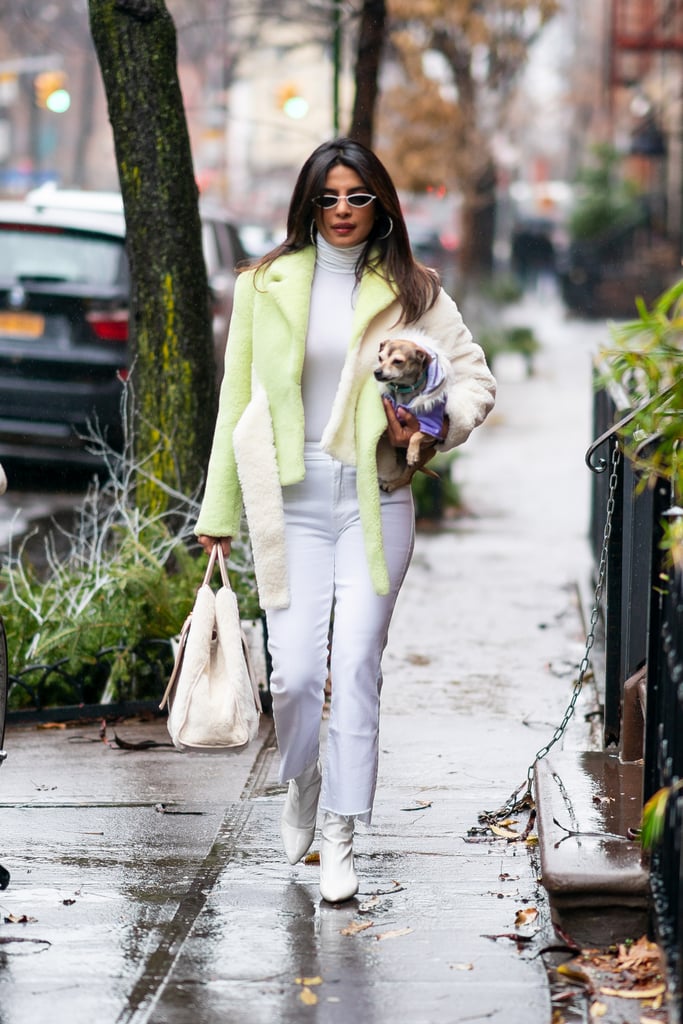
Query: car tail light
[{"x": 110, "y": 324}]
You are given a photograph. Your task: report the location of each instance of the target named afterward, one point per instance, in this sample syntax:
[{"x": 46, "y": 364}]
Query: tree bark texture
[
  {"x": 371, "y": 35},
  {"x": 173, "y": 368},
  {"x": 478, "y": 220}
]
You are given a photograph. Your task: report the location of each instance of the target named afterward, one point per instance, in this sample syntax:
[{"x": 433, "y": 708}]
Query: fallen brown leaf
[
  {"x": 634, "y": 993},
  {"x": 397, "y": 887},
  {"x": 20, "y": 919},
  {"x": 418, "y": 659},
  {"x": 140, "y": 745},
  {"x": 573, "y": 973},
  {"x": 419, "y": 805},
  {"x": 312, "y": 858},
  {"x": 356, "y": 926},
  {"x": 519, "y": 939},
  {"x": 637, "y": 954},
  {"x": 598, "y": 1010},
  {"x": 308, "y": 997},
  {"x": 503, "y": 833},
  {"x": 163, "y": 809},
  {"x": 526, "y": 916},
  {"x": 394, "y": 934}
]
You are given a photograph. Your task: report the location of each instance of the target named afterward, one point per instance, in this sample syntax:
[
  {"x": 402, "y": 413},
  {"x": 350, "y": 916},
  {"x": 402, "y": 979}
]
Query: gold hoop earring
[{"x": 391, "y": 228}]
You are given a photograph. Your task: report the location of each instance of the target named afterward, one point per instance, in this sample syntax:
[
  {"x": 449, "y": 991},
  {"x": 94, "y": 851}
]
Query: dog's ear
[
  {"x": 422, "y": 356},
  {"x": 382, "y": 345}
]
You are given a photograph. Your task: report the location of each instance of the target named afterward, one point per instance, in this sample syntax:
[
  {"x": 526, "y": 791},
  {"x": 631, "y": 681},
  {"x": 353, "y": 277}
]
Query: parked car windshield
[{"x": 52, "y": 254}]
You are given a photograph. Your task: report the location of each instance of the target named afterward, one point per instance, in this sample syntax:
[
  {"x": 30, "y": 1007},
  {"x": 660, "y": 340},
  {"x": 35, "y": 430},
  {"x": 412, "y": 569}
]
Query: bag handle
[
  {"x": 217, "y": 553},
  {"x": 175, "y": 672},
  {"x": 223, "y": 568}
]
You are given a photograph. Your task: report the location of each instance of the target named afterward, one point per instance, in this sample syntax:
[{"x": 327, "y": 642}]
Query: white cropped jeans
[{"x": 328, "y": 573}]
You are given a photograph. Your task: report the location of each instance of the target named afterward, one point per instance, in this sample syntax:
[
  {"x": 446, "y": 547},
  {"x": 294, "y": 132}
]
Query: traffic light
[
  {"x": 290, "y": 101},
  {"x": 51, "y": 92}
]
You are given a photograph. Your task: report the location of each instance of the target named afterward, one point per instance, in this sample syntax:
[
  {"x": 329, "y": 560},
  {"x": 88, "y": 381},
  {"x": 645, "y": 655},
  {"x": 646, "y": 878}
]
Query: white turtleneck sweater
[{"x": 329, "y": 331}]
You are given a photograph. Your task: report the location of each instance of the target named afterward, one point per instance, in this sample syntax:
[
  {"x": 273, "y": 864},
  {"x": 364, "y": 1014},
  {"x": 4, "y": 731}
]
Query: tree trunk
[
  {"x": 370, "y": 41},
  {"x": 478, "y": 225},
  {"x": 173, "y": 369}
]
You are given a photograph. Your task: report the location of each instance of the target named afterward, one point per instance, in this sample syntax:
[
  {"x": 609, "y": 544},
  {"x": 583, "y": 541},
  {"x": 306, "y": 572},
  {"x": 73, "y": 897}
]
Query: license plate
[{"x": 24, "y": 325}]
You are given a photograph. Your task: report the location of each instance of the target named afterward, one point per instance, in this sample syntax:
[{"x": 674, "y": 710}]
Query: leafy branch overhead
[{"x": 459, "y": 61}]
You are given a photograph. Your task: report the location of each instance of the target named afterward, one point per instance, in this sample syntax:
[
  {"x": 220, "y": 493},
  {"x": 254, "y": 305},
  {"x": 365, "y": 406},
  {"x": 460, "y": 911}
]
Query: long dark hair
[{"x": 416, "y": 286}]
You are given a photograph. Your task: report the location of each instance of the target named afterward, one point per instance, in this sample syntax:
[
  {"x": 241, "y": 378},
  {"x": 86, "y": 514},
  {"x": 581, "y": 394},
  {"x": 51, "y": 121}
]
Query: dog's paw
[{"x": 393, "y": 485}]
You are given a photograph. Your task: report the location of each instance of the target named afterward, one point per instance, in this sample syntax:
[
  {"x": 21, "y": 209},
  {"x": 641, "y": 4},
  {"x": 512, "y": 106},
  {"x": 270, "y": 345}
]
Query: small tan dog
[{"x": 413, "y": 378}]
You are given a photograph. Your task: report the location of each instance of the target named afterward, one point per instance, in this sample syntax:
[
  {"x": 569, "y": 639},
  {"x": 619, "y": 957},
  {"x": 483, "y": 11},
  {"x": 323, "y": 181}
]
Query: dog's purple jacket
[{"x": 429, "y": 413}]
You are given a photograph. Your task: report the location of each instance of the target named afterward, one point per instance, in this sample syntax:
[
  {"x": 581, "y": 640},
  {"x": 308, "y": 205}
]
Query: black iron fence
[
  {"x": 135, "y": 679},
  {"x": 114, "y": 682},
  {"x": 664, "y": 768},
  {"x": 643, "y": 635}
]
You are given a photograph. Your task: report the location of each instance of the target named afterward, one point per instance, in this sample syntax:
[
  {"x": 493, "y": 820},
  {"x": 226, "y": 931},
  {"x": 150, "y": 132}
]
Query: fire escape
[
  {"x": 646, "y": 42},
  {"x": 644, "y": 27}
]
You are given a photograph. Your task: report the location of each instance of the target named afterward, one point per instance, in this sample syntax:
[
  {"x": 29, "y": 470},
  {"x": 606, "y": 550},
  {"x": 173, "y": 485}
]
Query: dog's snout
[{"x": 378, "y": 374}]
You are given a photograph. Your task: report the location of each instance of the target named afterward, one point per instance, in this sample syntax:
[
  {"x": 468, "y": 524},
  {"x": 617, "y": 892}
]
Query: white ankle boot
[
  {"x": 297, "y": 824},
  {"x": 338, "y": 881}
]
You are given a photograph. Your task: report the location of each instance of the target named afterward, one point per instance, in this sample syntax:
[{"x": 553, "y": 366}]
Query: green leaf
[{"x": 654, "y": 817}]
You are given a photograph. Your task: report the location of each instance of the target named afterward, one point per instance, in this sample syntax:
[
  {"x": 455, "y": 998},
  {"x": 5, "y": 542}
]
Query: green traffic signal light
[
  {"x": 58, "y": 101},
  {"x": 51, "y": 92}
]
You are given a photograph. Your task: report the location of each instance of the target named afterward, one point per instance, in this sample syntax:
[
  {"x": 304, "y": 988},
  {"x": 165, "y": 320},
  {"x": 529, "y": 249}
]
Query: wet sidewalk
[{"x": 153, "y": 882}]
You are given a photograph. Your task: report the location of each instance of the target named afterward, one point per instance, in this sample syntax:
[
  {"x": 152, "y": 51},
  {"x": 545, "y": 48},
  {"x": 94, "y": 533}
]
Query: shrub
[
  {"x": 645, "y": 362},
  {"x": 120, "y": 577},
  {"x": 434, "y": 497}
]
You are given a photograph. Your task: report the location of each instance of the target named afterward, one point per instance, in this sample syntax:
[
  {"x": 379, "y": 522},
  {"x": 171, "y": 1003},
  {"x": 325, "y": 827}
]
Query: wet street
[{"x": 150, "y": 886}]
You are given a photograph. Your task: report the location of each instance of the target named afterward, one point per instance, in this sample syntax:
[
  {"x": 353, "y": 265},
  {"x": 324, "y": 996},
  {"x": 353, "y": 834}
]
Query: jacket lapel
[
  {"x": 288, "y": 281},
  {"x": 374, "y": 296}
]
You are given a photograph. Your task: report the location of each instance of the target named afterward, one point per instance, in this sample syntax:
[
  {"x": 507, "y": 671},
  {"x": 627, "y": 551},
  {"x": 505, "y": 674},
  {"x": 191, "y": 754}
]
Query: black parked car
[{"x": 64, "y": 290}]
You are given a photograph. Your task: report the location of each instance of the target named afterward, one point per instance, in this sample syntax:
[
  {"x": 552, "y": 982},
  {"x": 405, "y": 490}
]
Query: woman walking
[{"x": 300, "y": 432}]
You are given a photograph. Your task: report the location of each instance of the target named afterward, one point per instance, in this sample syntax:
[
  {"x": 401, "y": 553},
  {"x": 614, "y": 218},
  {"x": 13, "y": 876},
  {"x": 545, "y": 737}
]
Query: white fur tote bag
[{"x": 212, "y": 694}]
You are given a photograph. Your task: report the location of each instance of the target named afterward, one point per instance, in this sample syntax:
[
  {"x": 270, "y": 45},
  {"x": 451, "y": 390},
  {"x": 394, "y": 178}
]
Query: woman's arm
[{"x": 472, "y": 386}]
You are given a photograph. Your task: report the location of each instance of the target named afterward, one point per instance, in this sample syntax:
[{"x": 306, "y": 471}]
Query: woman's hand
[
  {"x": 402, "y": 424},
  {"x": 208, "y": 543}
]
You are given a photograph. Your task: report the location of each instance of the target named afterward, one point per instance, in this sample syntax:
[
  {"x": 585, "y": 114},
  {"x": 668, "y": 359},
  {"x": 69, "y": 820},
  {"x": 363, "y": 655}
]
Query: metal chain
[{"x": 515, "y": 802}]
